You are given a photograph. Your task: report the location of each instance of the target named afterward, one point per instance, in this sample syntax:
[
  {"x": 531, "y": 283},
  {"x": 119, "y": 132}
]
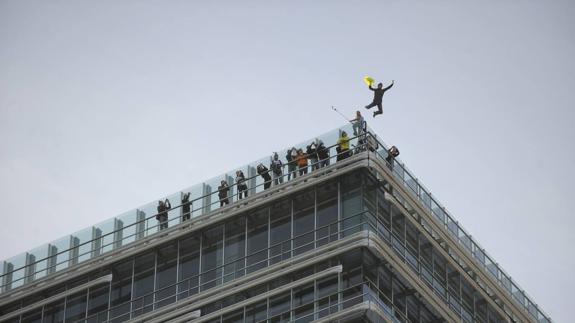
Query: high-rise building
[{"x": 349, "y": 237}]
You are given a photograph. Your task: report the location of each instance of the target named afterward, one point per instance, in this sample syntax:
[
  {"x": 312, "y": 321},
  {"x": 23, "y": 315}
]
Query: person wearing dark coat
[
  {"x": 186, "y": 204},
  {"x": 291, "y": 163},
  {"x": 311, "y": 152},
  {"x": 378, "y": 97},
  {"x": 322, "y": 154},
  {"x": 391, "y": 154},
  {"x": 162, "y": 216},
  {"x": 242, "y": 186},
  {"x": 223, "y": 190},
  {"x": 264, "y": 172}
]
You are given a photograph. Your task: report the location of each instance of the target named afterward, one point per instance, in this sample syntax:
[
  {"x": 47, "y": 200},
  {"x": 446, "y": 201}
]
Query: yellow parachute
[{"x": 368, "y": 80}]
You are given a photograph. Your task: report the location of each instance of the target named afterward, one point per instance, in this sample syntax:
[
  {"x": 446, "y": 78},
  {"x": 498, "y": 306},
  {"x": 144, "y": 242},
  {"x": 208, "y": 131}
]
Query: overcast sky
[{"x": 108, "y": 105}]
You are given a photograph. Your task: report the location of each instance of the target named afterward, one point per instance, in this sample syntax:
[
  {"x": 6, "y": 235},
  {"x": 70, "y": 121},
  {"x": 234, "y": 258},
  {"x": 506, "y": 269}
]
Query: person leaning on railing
[
  {"x": 391, "y": 154},
  {"x": 264, "y": 172}
]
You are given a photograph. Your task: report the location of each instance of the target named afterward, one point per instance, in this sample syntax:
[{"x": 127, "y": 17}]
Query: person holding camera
[
  {"x": 223, "y": 191},
  {"x": 162, "y": 216},
  {"x": 242, "y": 186},
  {"x": 391, "y": 154},
  {"x": 186, "y": 205}
]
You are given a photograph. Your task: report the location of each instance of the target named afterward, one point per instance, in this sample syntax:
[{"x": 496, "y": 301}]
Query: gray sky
[{"x": 108, "y": 105}]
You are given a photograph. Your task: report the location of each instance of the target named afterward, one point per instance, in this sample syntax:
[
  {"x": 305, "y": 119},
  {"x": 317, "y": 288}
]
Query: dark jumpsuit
[{"x": 377, "y": 97}]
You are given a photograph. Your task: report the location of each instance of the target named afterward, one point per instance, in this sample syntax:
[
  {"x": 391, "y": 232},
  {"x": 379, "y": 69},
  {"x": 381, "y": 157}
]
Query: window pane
[
  {"x": 304, "y": 221},
  {"x": 121, "y": 292},
  {"x": 31, "y": 317},
  {"x": 143, "y": 283},
  {"x": 235, "y": 246},
  {"x": 256, "y": 312},
  {"x": 351, "y": 203},
  {"x": 54, "y": 312},
  {"x": 98, "y": 304},
  {"x": 189, "y": 266},
  {"x": 280, "y": 231},
  {"x": 257, "y": 240},
  {"x": 76, "y": 307},
  {"x": 166, "y": 275},
  {"x": 212, "y": 253},
  {"x": 327, "y": 213}
]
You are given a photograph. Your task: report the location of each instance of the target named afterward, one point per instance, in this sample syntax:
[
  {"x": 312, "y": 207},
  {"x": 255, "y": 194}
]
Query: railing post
[
  {"x": 207, "y": 200},
  {"x": 118, "y": 226},
  {"x": 141, "y": 224},
  {"x": 252, "y": 180},
  {"x": 52, "y": 259},
  {"x": 30, "y": 268},
  {"x": 74, "y": 250},
  {"x": 230, "y": 181},
  {"x": 96, "y": 242},
  {"x": 7, "y": 269}
]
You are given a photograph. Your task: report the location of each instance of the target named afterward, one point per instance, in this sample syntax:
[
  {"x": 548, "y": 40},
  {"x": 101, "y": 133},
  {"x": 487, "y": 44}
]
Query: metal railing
[{"x": 413, "y": 185}]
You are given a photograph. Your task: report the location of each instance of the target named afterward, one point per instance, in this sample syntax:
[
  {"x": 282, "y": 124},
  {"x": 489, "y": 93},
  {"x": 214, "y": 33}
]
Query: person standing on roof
[
  {"x": 291, "y": 162},
  {"x": 377, "y": 97},
  {"x": 311, "y": 151},
  {"x": 223, "y": 190},
  {"x": 358, "y": 124},
  {"x": 162, "y": 215},
  {"x": 264, "y": 172},
  {"x": 322, "y": 154},
  {"x": 301, "y": 159},
  {"x": 342, "y": 146},
  {"x": 186, "y": 204},
  {"x": 276, "y": 166},
  {"x": 242, "y": 186},
  {"x": 392, "y": 153}
]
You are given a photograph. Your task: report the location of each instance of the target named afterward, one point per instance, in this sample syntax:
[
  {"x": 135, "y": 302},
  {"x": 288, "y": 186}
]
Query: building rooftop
[{"x": 58, "y": 255}]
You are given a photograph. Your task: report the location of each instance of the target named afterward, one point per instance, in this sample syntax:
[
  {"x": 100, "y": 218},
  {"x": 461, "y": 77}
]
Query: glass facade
[{"x": 307, "y": 219}]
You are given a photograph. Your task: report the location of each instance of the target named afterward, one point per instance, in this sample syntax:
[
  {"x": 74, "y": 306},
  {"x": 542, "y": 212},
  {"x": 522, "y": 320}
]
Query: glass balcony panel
[
  {"x": 62, "y": 257},
  {"x": 83, "y": 250},
  {"x": 411, "y": 183},
  {"x": 106, "y": 240},
  {"x": 425, "y": 198},
  {"x": 18, "y": 262},
  {"x": 129, "y": 227},
  {"x": 40, "y": 266},
  {"x": 480, "y": 256},
  {"x": 492, "y": 268}
]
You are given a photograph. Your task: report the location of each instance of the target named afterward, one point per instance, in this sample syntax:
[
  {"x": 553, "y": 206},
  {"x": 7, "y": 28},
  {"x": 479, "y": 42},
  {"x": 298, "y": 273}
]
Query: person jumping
[{"x": 377, "y": 97}]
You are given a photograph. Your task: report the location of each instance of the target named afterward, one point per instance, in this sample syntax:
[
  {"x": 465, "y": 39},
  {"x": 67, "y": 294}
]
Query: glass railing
[
  {"x": 142, "y": 222},
  {"x": 434, "y": 207}
]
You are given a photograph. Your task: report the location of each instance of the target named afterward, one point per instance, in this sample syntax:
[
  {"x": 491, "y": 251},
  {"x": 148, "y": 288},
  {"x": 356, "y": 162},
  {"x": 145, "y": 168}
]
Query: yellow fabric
[
  {"x": 368, "y": 80},
  {"x": 343, "y": 143}
]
